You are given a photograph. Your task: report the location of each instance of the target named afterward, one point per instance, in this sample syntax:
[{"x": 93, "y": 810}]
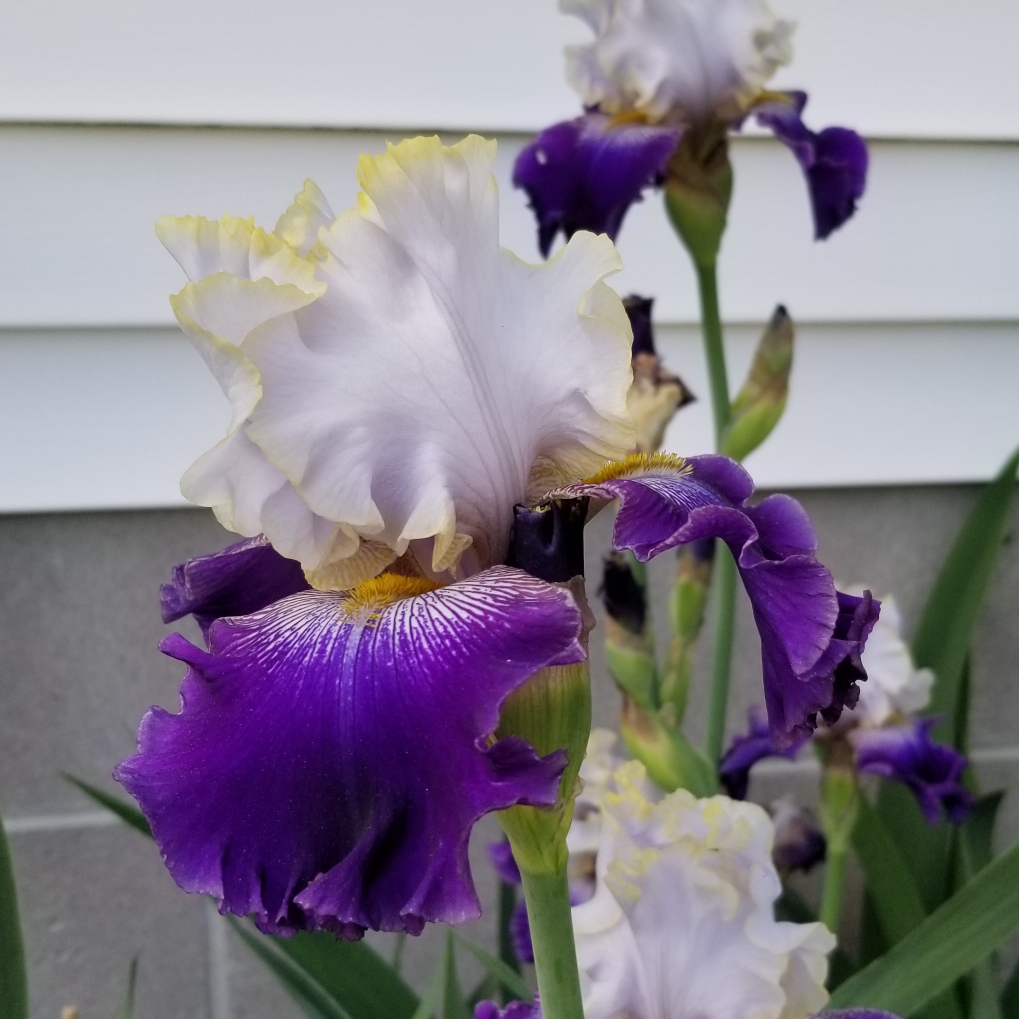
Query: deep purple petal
[
  {"x": 584, "y": 174},
  {"x": 239, "y": 579},
  {"x": 638, "y": 311},
  {"x": 501, "y": 855},
  {"x": 514, "y": 1010},
  {"x": 330, "y": 759},
  {"x": 834, "y": 160},
  {"x": 745, "y": 751},
  {"x": 811, "y": 636},
  {"x": 907, "y": 754},
  {"x": 799, "y": 842},
  {"x": 858, "y": 1013}
]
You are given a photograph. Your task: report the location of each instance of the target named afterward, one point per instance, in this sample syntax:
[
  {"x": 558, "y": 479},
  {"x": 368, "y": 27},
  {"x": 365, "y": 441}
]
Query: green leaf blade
[
  {"x": 13, "y": 976},
  {"x": 127, "y": 812},
  {"x": 948, "y": 944},
  {"x": 509, "y": 978}
]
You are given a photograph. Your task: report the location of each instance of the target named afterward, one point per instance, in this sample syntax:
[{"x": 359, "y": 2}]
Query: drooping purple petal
[
  {"x": 745, "y": 751},
  {"x": 584, "y": 174},
  {"x": 330, "y": 757},
  {"x": 501, "y": 855},
  {"x": 239, "y": 579},
  {"x": 834, "y": 160},
  {"x": 514, "y": 1010},
  {"x": 907, "y": 754},
  {"x": 811, "y": 635}
]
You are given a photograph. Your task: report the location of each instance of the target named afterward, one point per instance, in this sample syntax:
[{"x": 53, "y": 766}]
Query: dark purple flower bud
[
  {"x": 799, "y": 842},
  {"x": 622, "y": 594},
  {"x": 638, "y": 310},
  {"x": 501, "y": 855},
  {"x": 549, "y": 542},
  {"x": 906, "y": 753},
  {"x": 239, "y": 579},
  {"x": 745, "y": 751},
  {"x": 834, "y": 160},
  {"x": 584, "y": 174},
  {"x": 514, "y": 1010}
]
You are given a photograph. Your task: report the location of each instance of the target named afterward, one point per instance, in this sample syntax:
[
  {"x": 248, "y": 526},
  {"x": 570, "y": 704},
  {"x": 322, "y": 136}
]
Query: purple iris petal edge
[
  {"x": 326, "y": 767},
  {"x": 799, "y": 843},
  {"x": 834, "y": 160},
  {"x": 932, "y": 771},
  {"x": 584, "y": 174},
  {"x": 812, "y": 636},
  {"x": 235, "y": 581},
  {"x": 746, "y": 750}
]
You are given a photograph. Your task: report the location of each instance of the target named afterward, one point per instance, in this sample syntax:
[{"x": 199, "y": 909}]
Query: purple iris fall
[
  {"x": 413, "y": 408},
  {"x": 659, "y": 70}
]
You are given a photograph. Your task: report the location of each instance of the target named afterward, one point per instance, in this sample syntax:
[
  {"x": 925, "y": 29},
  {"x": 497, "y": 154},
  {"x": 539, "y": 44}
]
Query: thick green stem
[
  {"x": 555, "y": 955},
  {"x": 721, "y": 664},
  {"x": 711, "y": 327},
  {"x": 831, "y": 895},
  {"x": 725, "y": 567}
]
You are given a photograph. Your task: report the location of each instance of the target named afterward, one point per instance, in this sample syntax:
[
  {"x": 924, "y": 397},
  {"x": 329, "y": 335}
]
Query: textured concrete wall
[{"x": 79, "y": 626}]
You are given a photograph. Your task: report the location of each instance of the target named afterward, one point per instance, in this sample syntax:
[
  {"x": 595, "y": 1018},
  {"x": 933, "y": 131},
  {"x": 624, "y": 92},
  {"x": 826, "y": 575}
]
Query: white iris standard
[
  {"x": 681, "y": 925},
  {"x": 397, "y": 380},
  {"x": 679, "y": 61}
]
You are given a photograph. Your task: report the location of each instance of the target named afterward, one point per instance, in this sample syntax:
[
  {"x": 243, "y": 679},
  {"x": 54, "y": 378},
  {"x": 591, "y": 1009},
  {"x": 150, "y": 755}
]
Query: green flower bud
[{"x": 759, "y": 405}]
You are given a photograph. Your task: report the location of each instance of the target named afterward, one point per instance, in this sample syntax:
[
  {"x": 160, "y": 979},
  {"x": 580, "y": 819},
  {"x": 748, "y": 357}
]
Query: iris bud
[
  {"x": 698, "y": 187},
  {"x": 759, "y": 405},
  {"x": 629, "y": 642},
  {"x": 671, "y": 759}
]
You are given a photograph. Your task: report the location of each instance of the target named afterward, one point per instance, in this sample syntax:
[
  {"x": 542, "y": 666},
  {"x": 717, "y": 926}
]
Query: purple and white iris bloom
[
  {"x": 655, "y": 70},
  {"x": 402, "y": 390}
]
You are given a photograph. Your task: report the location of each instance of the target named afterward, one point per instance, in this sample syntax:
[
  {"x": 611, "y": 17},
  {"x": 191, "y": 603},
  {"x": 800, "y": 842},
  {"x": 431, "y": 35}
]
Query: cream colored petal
[
  {"x": 676, "y": 60},
  {"x": 416, "y": 395},
  {"x": 300, "y": 224}
]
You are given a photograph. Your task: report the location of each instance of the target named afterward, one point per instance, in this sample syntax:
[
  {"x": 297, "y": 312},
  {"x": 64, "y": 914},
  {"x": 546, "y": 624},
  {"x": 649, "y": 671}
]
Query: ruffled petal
[
  {"x": 584, "y": 174},
  {"x": 907, "y": 754},
  {"x": 501, "y": 855},
  {"x": 236, "y": 581},
  {"x": 332, "y": 751},
  {"x": 834, "y": 160},
  {"x": 678, "y": 59},
  {"x": 811, "y": 635},
  {"x": 745, "y": 751},
  {"x": 412, "y": 401},
  {"x": 682, "y": 923}
]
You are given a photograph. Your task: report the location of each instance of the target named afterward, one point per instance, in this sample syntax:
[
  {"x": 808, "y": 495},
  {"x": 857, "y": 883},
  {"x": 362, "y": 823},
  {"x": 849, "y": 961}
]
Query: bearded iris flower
[
  {"x": 665, "y": 80},
  {"x": 413, "y": 408}
]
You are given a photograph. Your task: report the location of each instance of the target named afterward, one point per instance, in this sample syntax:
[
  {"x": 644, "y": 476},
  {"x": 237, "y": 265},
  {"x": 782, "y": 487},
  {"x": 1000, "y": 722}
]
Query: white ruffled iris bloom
[
  {"x": 397, "y": 380},
  {"x": 895, "y": 688},
  {"x": 676, "y": 61},
  {"x": 681, "y": 925}
]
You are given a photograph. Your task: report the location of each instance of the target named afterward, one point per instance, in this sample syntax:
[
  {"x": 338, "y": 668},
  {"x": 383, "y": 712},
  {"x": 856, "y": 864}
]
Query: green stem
[
  {"x": 555, "y": 955},
  {"x": 721, "y": 664},
  {"x": 831, "y": 895},
  {"x": 711, "y": 327},
  {"x": 725, "y": 567}
]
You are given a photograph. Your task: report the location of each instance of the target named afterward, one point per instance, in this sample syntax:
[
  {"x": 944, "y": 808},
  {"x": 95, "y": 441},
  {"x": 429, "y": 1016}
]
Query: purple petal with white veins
[
  {"x": 584, "y": 174},
  {"x": 745, "y": 751},
  {"x": 330, "y": 757},
  {"x": 239, "y": 579},
  {"x": 811, "y": 635},
  {"x": 907, "y": 754},
  {"x": 834, "y": 160}
]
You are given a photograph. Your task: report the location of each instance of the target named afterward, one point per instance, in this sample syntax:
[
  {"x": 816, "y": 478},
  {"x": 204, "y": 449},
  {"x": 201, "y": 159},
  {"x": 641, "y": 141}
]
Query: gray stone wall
[{"x": 79, "y": 625}]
